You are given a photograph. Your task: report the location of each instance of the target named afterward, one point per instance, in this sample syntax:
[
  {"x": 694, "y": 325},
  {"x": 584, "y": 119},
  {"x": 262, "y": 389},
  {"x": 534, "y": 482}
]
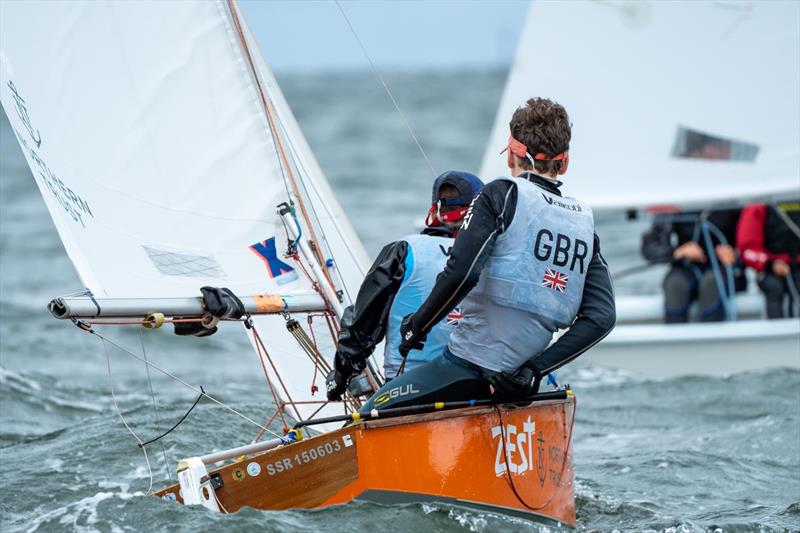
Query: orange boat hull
[{"x": 514, "y": 460}]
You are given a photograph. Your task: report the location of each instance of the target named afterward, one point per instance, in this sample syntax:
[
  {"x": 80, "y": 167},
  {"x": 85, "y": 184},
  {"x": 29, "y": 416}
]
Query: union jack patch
[
  {"x": 454, "y": 316},
  {"x": 555, "y": 280}
]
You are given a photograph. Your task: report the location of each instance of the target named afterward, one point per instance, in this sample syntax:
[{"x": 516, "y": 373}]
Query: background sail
[
  {"x": 670, "y": 105},
  {"x": 146, "y": 134}
]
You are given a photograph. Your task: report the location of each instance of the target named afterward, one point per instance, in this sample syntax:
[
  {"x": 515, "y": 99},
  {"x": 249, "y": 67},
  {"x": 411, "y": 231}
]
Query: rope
[
  {"x": 310, "y": 321},
  {"x": 142, "y": 322},
  {"x": 726, "y": 291},
  {"x": 386, "y": 88},
  {"x": 182, "y": 382},
  {"x": 259, "y": 346},
  {"x": 178, "y": 423},
  {"x": 278, "y": 403},
  {"x": 267, "y": 423},
  {"x": 119, "y": 412},
  {"x": 155, "y": 408},
  {"x": 508, "y": 469}
]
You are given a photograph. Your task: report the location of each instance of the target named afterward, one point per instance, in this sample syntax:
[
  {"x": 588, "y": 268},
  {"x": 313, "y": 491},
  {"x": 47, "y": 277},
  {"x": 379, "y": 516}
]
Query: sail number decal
[
  {"x": 308, "y": 456},
  {"x": 75, "y": 206}
]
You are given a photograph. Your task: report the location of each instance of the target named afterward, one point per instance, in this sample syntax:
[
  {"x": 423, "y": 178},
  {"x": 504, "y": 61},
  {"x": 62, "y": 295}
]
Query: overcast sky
[{"x": 312, "y": 35}]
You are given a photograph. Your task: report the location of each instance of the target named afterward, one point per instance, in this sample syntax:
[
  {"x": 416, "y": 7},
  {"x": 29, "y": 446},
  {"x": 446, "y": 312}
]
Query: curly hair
[{"x": 543, "y": 126}]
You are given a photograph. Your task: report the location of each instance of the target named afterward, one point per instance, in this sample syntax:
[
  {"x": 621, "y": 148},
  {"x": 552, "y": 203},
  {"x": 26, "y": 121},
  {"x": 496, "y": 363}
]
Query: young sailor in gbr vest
[
  {"x": 398, "y": 282},
  {"x": 525, "y": 264}
]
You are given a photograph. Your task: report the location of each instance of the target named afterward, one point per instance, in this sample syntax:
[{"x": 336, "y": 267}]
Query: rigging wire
[
  {"x": 184, "y": 383},
  {"x": 386, "y": 87},
  {"x": 155, "y": 404},
  {"x": 119, "y": 412}
]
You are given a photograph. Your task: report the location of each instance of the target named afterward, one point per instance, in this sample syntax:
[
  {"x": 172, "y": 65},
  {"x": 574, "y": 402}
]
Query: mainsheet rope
[
  {"x": 155, "y": 404},
  {"x": 119, "y": 412},
  {"x": 182, "y": 382}
]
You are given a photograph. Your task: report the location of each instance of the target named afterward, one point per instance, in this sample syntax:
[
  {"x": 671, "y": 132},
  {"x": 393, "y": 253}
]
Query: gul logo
[
  {"x": 277, "y": 270},
  {"x": 403, "y": 390},
  {"x": 518, "y": 446}
]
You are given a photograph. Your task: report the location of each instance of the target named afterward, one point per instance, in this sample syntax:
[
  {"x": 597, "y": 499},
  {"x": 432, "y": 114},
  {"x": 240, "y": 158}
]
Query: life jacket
[
  {"x": 532, "y": 283},
  {"x": 426, "y": 256}
]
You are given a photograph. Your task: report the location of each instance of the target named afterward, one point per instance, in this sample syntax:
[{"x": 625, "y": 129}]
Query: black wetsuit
[{"x": 450, "y": 378}]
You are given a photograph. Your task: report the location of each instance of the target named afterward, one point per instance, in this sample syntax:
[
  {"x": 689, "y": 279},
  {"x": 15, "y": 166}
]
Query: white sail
[
  {"x": 685, "y": 103},
  {"x": 145, "y": 129}
]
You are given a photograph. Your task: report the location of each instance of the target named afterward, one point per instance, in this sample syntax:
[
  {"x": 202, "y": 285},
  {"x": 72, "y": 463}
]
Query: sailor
[
  {"x": 526, "y": 263},
  {"x": 685, "y": 242},
  {"x": 769, "y": 242},
  {"x": 398, "y": 282}
]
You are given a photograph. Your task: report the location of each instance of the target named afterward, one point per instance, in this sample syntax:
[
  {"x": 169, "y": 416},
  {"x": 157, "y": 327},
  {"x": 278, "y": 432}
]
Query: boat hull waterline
[{"x": 505, "y": 459}]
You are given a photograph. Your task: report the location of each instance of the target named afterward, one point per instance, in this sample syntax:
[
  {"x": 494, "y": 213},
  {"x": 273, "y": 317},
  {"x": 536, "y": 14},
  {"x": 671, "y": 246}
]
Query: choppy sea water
[{"x": 690, "y": 454}]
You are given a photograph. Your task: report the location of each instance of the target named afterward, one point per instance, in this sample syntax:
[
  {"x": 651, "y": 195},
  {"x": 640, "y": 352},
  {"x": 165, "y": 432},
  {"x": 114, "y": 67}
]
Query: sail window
[
  {"x": 692, "y": 144},
  {"x": 192, "y": 266}
]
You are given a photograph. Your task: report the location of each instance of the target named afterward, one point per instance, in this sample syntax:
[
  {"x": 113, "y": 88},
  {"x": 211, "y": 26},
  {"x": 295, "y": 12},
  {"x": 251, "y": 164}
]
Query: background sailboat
[{"x": 678, "y": 108}]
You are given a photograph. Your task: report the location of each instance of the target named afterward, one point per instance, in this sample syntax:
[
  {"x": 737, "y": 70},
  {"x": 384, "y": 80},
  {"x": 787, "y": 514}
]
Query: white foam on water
[
  {"x": 16, "y": 380},
  {"x": 56, "y": 465},
  {"x": 84, "y": 509},
  {"x": 588, "y": 376},
  {"x": 123, "y": 487}
]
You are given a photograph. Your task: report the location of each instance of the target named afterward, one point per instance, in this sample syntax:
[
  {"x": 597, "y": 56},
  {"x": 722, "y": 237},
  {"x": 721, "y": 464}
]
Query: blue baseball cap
[{"x": 468, "y": 186}]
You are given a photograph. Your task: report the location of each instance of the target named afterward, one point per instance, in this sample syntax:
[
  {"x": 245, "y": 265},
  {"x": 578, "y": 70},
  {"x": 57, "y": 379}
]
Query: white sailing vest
[
  {"x": 532, "y": 283},
  {"x": 426, "y": 257}
]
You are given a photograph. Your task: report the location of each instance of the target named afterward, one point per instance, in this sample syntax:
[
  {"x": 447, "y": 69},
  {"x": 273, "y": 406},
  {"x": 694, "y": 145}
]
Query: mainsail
[
  {"x": 687, "y": 104},
  {"x": 162, "y": 145}
]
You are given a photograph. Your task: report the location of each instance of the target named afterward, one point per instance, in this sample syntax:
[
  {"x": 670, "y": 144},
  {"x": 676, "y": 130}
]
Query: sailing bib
[
  {"x": 426, "y": 257},
  {"x": 532, "y": 283}
]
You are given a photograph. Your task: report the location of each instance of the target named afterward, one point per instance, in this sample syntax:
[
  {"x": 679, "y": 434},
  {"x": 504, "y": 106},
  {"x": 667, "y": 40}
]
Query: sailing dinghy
[
  {"x": 641, "y": 81},
  {"x": 169, "y": 160}
]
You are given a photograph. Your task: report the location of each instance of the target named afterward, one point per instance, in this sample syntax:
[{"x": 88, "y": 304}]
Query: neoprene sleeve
[{"x": 364, "y": 323}]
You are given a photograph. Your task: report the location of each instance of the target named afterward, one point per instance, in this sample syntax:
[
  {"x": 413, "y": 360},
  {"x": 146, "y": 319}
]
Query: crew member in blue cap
[{"x": 399, "y": 281}]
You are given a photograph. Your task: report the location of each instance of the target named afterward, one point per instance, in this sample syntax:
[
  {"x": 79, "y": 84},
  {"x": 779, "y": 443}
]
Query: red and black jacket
[{"x": 765, "y": 235}]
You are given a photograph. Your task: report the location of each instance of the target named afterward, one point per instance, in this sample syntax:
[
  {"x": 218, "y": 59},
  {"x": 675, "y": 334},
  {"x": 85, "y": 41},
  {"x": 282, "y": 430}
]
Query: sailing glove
[
  {"x": 515, "y": 386},
  {"x": 335, "y": 385},
  {"x": 343, "y": 370},
  {"x": 222, "y": 303},
  {"x": 411, "y": 337}
]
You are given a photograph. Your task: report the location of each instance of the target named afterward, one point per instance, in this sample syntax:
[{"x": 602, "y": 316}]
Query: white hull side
[{"x": 716, "y": 349}]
